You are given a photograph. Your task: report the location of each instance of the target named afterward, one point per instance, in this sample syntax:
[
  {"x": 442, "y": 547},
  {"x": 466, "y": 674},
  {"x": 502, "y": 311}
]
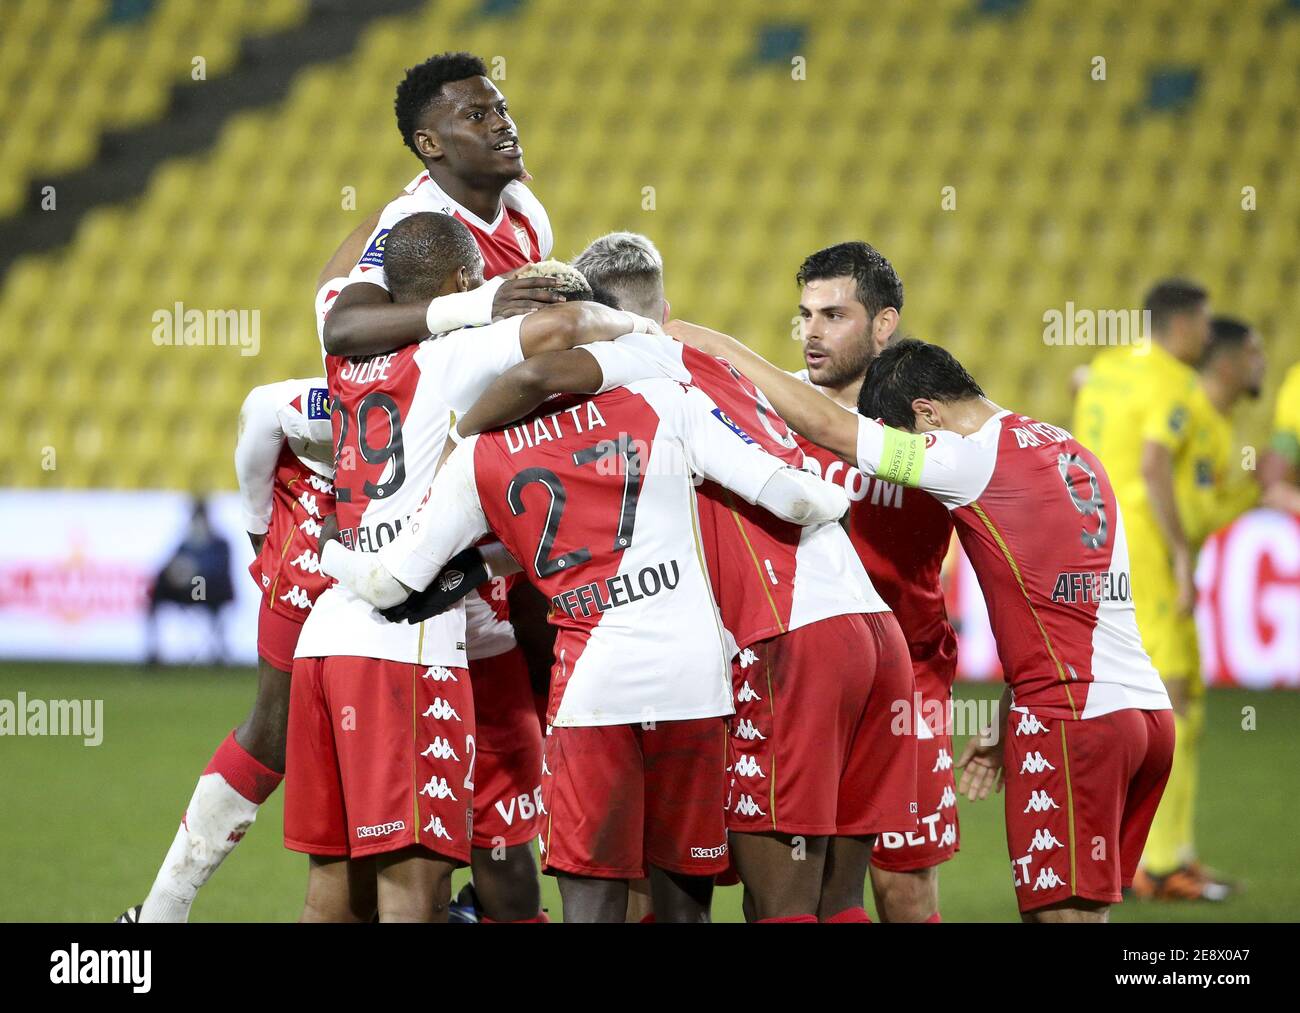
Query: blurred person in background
[
  {"x": 1212, "y": 490},
  {"x": 197, "y": 576}
]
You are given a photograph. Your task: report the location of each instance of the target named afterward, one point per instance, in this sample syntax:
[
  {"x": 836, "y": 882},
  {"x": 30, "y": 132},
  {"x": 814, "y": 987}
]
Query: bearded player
[
  {"x": 1088, "y": 739},
  {"x": 849, "y": 311}
]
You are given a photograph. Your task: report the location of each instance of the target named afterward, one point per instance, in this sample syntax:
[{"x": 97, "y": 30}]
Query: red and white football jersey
[
  {"x": 1039, "y": 521},
  {"x": 284, "y": 461},
  {"x": 520, "y": 234},
  {"x": 769, "y": 576},
  {"x": 597, "y": 502},
  {"x": 391, "y": 413}
]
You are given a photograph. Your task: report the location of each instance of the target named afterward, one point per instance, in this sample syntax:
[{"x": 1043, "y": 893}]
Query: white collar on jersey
[{"x": 426, "y": 180}]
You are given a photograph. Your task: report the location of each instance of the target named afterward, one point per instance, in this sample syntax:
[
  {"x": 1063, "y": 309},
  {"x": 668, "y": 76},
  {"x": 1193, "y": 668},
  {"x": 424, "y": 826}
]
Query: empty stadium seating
[{"x": 688, "y": 122}]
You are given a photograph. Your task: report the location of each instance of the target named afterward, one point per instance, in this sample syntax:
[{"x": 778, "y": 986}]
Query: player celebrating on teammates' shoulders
[
  {"x": 849, "y": 310},
  {"x": 1089, "y": 735}
]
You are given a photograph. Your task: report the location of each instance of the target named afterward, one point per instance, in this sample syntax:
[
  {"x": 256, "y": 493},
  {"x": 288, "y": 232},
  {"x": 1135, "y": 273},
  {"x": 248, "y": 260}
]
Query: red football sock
[
  {"x": 849, "y": 916},
  {"x": 538, "y": 919},
  {"x": 934, "y": 919},
  {"x": 792, "y": 919},
  {"x": 648, "y": 919},
  {"x": 246, "y": 775}
]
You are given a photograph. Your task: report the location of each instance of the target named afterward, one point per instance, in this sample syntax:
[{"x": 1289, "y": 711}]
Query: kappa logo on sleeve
[
  {"x": 318, "y": 403},
  {"x": 374, "y": 255},
  {"x": 730, "y": 423}
]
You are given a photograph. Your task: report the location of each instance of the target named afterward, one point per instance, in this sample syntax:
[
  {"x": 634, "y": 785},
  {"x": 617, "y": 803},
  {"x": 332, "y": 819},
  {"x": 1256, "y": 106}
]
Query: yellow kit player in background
[
  {"x": 1280, "y": 471},
  {"x": 1134, "y": 411},
  {"x": 1213, "y": 485}
]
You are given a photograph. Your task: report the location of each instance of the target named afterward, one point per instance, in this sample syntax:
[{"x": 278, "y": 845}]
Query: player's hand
[
  {"x": 464, "y": 571},
  {"x": 1185, "y": 581},
  {"x": 982, "y": 768},
  {"x": 523, "y": 295},
  {"x": 329, "y": 532},
  {"x": 703, "y": 338}
]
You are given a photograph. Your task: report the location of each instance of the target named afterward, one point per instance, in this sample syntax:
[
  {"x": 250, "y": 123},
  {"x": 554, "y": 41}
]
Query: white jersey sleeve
[
  {"x": 466, "y": 361},
  {"x": 296, "y": 411},
  {"x": 714, "y": 445},
  {"x": 953, "y": 469},
  {"x": 451, "y": 519},
  {"x": 636, "y": 357}
]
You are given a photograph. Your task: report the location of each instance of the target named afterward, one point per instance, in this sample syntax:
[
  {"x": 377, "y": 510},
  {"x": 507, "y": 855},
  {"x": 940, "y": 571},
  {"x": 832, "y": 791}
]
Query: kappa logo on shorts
[
  {"x": 436, "y": 828},
  {"x": 1030, "y": 725},
  {"x": 948, "y": 799},
  {"x": 747, "y": 658},
  {"x": 381, "y": 829},
  {"x": 1044, "y": 840},
  {"x": 942, "y": 762},
  {"x": 715, "y": 852},
  {"x": 747, "y": 766},
  {"x": 746, "y": 806},
  {"x": 441, "y": 710},
  {"x": 308, "y": 502},
  {"x": 1048, "y": 879},
  {"x": 1040, "y": 801},
  {"x": 948, "y": 837},
  {"x": 745, "y": 730},
  {"x": 439, "y": 674},
  {"x": 438, "y": 788},
  {"x": 440, "y": 749},
  {"x": 747, "y": 694},
  {"x": 296, "y": 597},
  {"x": 1035, "y": 763}
]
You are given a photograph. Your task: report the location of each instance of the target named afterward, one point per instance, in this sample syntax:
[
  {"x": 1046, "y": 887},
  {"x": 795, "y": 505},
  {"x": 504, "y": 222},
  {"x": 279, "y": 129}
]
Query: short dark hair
[
  {"x": 1227, "y": 334},
  {"x": 422, "y": 251},
  {"x": 605, "y": 297},
  {"x": 879, "y": 285},
  {"x": 422, "y": 84},
  {"x": 909, "y": 369},
  {"x": 1171, "y": 297}
]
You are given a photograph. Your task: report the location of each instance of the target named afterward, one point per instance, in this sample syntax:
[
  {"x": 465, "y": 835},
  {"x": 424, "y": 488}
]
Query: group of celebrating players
[{"x": 544, "y": 571}]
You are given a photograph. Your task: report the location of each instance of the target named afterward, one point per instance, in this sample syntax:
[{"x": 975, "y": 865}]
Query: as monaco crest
[{"x": 521, "y": 234}]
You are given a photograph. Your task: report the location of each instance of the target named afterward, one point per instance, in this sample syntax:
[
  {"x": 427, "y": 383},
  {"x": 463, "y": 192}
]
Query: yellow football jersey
[
  {"x": 1133, "y": 395},
  {"x": 1210, "y": 485},
  {"x": 1286, "y": 419}
]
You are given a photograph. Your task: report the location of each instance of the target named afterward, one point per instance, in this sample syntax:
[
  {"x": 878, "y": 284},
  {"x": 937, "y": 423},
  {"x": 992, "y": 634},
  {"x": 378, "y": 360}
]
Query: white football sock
[{"x": 215, "y": 821}]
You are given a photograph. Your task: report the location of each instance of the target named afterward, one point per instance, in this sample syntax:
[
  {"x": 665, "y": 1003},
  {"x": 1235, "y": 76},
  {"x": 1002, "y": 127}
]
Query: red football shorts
[
  {"x": 1080, "y": 799},
  {"x": 813, "y": 747},
  {"x": 508, "y": 779},
  {"x": 620, "y": 798},
  {"x": 277, "y": 638},
  {"x": 380, "y": 757},
  {"x": 938, "y": 837}
]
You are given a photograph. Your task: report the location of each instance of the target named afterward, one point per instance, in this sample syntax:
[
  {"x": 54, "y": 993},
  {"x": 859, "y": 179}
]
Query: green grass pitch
[{"x": 86, "y": 827}]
